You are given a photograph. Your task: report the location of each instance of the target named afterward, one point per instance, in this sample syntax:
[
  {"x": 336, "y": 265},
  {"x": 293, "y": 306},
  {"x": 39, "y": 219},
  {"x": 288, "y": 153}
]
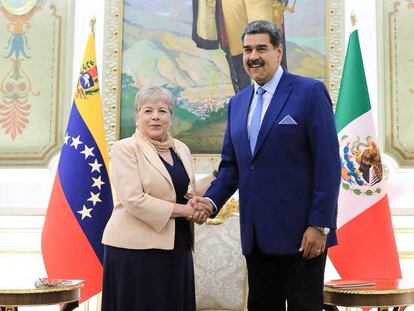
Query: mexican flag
[{"x": 366, "y": 244}]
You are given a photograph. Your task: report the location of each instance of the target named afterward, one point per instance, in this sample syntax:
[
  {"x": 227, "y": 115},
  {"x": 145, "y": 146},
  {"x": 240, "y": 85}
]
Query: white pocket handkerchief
[{"x": 288, "y": 120}]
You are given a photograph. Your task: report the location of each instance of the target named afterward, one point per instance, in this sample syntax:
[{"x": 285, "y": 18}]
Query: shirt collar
[{"x": 270, "y": 86}]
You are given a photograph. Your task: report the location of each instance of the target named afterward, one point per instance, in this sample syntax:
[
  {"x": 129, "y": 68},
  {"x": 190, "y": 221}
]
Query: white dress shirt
[{"x": 270, "y": 88}]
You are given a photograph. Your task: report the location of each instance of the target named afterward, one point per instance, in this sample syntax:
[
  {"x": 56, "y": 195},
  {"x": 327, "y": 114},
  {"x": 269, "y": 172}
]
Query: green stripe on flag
[{"x": 353, "y": 98}]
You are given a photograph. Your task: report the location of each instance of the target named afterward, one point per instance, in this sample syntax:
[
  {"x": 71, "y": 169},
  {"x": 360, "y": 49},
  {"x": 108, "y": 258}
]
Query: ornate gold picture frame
[{"x": 116, "y": 26}]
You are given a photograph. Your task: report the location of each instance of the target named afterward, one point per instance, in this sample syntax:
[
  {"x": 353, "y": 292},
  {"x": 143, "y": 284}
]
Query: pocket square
[{"x": 288, "y": 120}]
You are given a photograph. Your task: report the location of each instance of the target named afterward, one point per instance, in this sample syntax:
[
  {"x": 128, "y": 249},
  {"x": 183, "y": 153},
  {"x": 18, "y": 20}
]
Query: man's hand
[
  {"x": 313, "y": 243},
  {"x": 203, "y": 205},
  {"x": 202, "y": 209}
]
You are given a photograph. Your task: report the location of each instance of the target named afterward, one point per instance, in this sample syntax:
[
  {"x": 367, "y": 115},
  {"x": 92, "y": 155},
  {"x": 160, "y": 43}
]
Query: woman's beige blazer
[{"x": 144, "y": 196}]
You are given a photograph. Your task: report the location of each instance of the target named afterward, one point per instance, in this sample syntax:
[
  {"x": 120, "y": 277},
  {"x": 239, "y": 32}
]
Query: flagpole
[
  {"x": 353, "y": 19},
  {"x": 93, "y": 23}
]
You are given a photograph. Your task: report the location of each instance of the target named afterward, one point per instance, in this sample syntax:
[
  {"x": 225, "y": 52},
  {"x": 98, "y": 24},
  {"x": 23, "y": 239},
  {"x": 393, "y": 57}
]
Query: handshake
[{"x": 201, "y": 209}]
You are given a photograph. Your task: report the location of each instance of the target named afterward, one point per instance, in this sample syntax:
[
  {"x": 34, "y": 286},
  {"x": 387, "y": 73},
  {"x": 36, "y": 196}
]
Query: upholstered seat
[{"x": 220, "y": 269}]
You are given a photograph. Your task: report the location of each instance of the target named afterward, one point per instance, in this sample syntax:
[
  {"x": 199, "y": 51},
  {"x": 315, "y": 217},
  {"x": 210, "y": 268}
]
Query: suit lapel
[
  {"x": 154, "y": 160},
  {"x": 277, "y": 103},
  {"x": 152, "y": 156},
  {"x": 240, "y": 112}
]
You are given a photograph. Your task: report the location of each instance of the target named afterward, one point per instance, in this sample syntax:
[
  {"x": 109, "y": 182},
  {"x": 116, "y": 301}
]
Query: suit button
[{"x": 252, "y": 167}]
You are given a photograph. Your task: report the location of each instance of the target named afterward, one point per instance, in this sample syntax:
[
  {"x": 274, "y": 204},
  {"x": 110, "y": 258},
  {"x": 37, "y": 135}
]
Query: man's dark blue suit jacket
[{"x": 292, "y": 179}]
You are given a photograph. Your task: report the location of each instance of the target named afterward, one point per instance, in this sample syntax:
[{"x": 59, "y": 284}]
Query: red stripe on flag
[
  {"x": 366, "y": 245},
  {"x": 67, "y": 253}
]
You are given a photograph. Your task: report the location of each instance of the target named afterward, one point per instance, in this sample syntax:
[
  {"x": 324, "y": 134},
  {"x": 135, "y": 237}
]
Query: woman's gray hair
[{"x": 153, "y": 94}]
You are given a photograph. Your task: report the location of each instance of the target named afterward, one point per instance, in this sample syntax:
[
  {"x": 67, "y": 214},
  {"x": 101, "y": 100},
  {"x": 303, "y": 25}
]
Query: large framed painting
[
  {"x": 35, "y": 78},
  {"x": 194, "y": 49},
  {"x": 398, "y": 51}
]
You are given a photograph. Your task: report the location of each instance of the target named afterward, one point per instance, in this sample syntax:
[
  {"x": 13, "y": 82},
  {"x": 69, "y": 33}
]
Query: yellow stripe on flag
[{"x": 88, "y": 98}]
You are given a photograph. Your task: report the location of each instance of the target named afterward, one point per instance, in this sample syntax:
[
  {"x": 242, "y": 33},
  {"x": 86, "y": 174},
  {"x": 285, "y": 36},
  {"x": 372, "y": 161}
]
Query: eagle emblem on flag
[{"x": 361, "y": 165}]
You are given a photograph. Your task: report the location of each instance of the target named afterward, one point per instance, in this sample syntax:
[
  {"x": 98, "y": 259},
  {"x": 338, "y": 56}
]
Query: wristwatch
[{"x": 323, "y": 230}]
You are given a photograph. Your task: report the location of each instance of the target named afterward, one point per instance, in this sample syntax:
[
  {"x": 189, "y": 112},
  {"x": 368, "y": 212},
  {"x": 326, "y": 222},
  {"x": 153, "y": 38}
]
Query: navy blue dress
[{"x": 153, "y": 279}]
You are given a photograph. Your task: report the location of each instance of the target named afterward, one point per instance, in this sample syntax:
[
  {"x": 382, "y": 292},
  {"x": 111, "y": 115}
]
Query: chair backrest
[{"x": 220, "y": 269}]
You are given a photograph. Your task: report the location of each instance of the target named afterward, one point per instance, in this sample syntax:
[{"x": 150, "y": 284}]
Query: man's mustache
[{"x": 255, "y": 62}]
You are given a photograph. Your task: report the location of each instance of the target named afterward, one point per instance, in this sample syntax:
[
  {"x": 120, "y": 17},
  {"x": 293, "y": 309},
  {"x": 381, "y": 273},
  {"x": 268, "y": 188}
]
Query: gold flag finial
[
  {"x": 353, "y": 19},
  {"x": 93, "y": 23}
]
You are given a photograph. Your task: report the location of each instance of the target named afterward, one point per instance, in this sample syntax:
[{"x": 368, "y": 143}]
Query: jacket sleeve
[
  {"x": 227, "y": 181},
  {"x": 129, "y": 191},
  {"x": 324, "y": 146}
]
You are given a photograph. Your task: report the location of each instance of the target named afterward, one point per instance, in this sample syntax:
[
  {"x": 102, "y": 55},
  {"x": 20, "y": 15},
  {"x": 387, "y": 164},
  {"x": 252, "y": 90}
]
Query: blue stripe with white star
[{"x": 85, "y": 181}]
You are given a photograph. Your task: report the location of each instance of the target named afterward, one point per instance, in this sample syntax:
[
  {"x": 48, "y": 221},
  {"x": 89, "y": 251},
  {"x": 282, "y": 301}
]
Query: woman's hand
[
  {"x": 183, "y": 210},
  {"x": 202, "y": 210},
  {"x": 193, "y": 211}
]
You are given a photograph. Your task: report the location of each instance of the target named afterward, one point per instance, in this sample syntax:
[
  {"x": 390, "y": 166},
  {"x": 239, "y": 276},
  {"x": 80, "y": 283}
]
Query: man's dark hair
[{"x": 262, "y": 26}]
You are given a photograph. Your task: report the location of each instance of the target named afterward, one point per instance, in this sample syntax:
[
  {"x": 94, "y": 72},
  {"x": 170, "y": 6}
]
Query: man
[
  {"x": 219, "y": 24},
  {"x": 281, "y": 151}
]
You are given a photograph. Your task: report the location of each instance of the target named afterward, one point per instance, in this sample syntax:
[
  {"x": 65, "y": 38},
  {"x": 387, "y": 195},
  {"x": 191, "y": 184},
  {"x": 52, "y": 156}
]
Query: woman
[{"x": 148, "y": 263}]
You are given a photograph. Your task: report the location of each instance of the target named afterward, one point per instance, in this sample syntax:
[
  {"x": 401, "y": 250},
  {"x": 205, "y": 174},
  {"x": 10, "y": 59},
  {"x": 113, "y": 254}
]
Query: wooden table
[
  {"x": 15, "y": 294},
  {"x": 397, "y": 294}
]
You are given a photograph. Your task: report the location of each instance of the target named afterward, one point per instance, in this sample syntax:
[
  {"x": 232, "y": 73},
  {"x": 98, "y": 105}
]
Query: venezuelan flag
[{"x": 81, "y": 200}]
